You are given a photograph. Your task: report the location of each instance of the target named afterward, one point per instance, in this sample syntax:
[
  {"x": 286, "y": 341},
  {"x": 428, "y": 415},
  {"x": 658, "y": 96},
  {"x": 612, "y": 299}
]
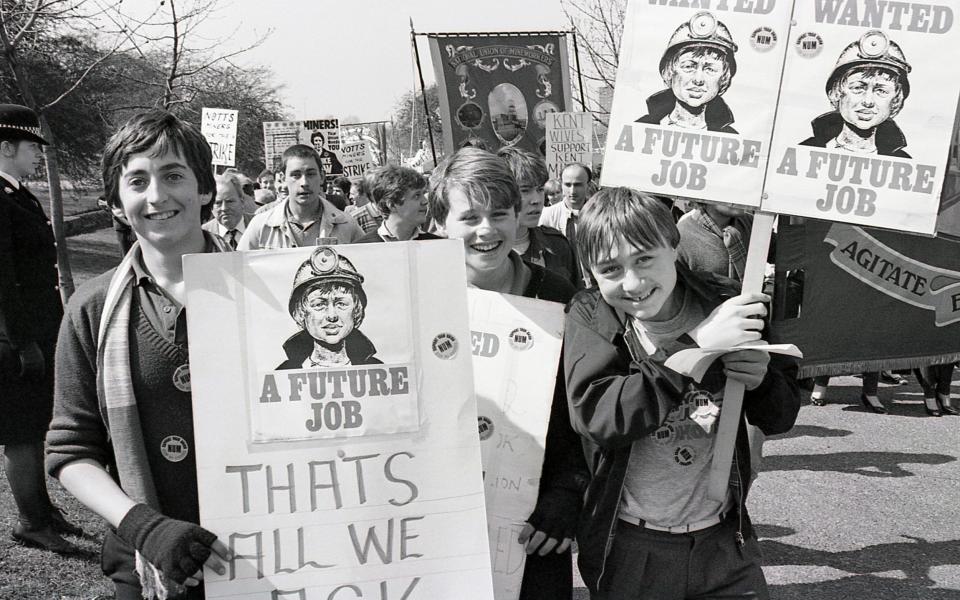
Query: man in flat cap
[
  {"x": 866, "y": 88},
  {"x": 697, "y": 67},
  {"x": 328, "y": 303},
  {"x": 30, "y": 313}
]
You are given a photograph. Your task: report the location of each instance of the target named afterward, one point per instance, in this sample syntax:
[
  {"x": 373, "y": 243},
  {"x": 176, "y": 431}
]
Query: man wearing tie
[
  {"x": 229, "y": 221},
  {"x": 30, "y": 312},
  {"x": 562, "y": 216}
]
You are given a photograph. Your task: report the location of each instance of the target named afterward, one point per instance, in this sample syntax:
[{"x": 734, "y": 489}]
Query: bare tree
[
  {"x": 21, "y": 23},
  {"x": 599, "y": 28}
]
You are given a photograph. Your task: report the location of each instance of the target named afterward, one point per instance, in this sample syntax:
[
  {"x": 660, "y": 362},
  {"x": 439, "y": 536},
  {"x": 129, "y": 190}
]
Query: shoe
[
  {"x": 44, "y": 538},
  {"x": 61, "y": 525},
  {"x": 943, "y": 402},
  {"x": 817, "y": 395},
  {"x": 878, "y": 408},
  {"x": 932, "y": 406},
  {"x": 892, "y": 378}
]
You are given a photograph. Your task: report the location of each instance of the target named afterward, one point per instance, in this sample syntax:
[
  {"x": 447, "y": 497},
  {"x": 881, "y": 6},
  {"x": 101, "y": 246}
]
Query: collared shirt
[
  {"x": 384, "y": 232},
  {"x": 13, "y": 181},
  {"x": 275, "y": 229},
  {"x": 368, "y": 216},
  {"x": 556, "y": 216},
  {"x": 240, "y": 227}
]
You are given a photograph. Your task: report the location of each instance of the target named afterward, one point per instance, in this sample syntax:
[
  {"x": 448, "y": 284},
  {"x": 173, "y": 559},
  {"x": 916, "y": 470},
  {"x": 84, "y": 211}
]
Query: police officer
[
  {"x": 697, "y": 68},
  {"x": 867, "y": 89},
  {"x": 328, "y": 303},
  {"x": 30, "y": 312}
]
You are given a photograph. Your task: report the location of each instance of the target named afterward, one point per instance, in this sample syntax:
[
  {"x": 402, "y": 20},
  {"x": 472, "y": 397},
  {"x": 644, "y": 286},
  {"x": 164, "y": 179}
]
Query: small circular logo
[
  {"x": 445, "y": 346},
  {"x": 520, "y": 339},
  {"x": 174, "y": 448},
  {"x": 763, "y": 39},
  {"x": 181, "y": 378},
  {"x": 664, "y": 434},
  {"x": 485, "y": 426},
  {"x": 809, "y": 44},
  {"x": 684, "y": 455}
]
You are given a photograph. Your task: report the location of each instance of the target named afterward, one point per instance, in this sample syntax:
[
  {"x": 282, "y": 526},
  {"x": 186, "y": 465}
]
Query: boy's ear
[{"x": 117, "y": 211}]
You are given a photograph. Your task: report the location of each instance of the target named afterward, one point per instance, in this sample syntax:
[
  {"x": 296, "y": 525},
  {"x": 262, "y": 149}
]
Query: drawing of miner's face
[
  {"x": 329, "y": 312},
  {"x": 697, "y": 75},
  {"x": 867, "y": 97}
]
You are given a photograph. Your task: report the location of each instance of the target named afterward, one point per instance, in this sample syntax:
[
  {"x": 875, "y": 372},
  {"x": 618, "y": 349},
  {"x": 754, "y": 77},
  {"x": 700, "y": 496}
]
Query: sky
[{"x": 353, "y": 57}]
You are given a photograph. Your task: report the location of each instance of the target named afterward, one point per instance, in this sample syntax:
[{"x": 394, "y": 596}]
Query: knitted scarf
[{"x": 118, "y": 405}]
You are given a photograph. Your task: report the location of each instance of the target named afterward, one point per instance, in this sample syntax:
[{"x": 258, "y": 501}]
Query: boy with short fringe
[
  {"x": 649, "y": 529},
  {"x": 121, "y": 439}
]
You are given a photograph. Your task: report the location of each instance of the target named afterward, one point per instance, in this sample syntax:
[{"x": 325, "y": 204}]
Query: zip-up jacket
[{"x": 618, "y": 395}]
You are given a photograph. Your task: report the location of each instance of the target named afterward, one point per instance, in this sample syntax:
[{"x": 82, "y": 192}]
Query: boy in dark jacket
[{"x": 649, "y": 530}]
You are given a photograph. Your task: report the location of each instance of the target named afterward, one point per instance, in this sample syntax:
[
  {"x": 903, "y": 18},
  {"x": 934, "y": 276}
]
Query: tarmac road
[{"x": 849, "y": 504}]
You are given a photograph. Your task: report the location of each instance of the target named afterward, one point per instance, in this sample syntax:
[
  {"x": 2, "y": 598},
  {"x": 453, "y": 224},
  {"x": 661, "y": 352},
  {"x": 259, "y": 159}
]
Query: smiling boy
[
  {"x": 121, "y": 439},
  {"x": 649, "y": 529}
]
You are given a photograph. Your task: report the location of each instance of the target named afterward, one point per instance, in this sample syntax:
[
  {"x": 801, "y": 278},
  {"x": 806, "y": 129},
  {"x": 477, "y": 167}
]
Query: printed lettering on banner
[
  {"x": 569, "y": 140},
  {"x": 693, "y": 107},
  {"x": 336, "y": 441},
  {"x": 865, "y": 115},
  {"x": 516, "y": 345},
  {"x": 219, "y": 127},
  {"x": 321, "y": 134}
]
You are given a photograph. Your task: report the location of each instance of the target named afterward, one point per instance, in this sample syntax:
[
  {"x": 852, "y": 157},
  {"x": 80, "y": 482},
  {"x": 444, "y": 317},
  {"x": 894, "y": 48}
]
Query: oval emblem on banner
[
  {"x": 174, "y": 448},
  {"x": 470, "y": 115},
  {"x": 508, "y": 113},
  {"x": 540, "y": 112}
]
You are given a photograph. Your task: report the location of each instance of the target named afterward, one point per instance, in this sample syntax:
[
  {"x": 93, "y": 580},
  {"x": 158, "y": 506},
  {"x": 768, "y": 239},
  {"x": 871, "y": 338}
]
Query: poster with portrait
[
  {"x": 693, "y": 106},
  {"x": 569, "y": 140},
  {"x": 496, "y": 89},
  {"x": 322, "y": 134},
  {"x": 865, "y": 113},
  {"x": 336, "y": 438},
  {"x": 516, "y": 351},
  {"x": 219, "y": 127}
]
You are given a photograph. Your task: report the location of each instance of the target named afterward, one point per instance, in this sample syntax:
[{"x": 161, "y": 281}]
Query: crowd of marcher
[{"x": 629, "y": 443}]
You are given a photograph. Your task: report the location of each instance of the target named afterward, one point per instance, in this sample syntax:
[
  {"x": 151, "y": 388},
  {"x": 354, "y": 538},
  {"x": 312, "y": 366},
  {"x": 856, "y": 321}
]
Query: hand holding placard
[
  {"x": 694, "y": 362},
  {"x": 737, "y": 321}
]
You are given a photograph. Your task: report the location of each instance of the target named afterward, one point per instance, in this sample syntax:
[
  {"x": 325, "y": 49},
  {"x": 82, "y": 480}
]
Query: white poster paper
[
  {"x": 357, "y": 158},
  {"x": 693, "y": 106},
  {"x": 307, "y": 481},
  {"x": 322, "y": 134},
  {"x": 516, "y": 345},
  {"x": 569, "y": 140},
  {"x": 219, "y": 127},
  {"x": 864, "y": 120}
]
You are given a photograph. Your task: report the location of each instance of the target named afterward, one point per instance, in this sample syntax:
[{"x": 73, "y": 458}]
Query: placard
[
  {"x": 335, "y": 503},
  {"x": 357, "y": 158},
  {"x": 516, "y": 345},
  {"x": 865, "y": 113},
  {"x": 219, "y": 127},
  {"x": 693, "y": 106},
  {"x": 322, "y": 134},
  {"x": 569, "y": 140}
]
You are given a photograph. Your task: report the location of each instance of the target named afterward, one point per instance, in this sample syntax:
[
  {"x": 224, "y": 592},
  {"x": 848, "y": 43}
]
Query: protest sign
[
  {"x": 498, "y": 88},
  {"x": 865, "y": 113},
  {"x": 219, "y": 127},
  {"x": 356, "y": 158},
  {"x": 329, "y": 480},
  {"x": 516, "y": 350},
  {"x": 693, "y": 106},
  {"x": 569, "y": 140},
  {"x": 374, "y": 134},
  {"x": 322, "y": 134},
  {"x": 872, "y": 299}
]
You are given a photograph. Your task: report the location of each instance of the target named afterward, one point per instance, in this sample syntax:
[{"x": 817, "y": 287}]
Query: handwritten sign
[
  {"x": 310, "y": 510},
  {"x": 516, "y": 350},
  {"x": 569, "y": 140},
  {"x": 357, "y": 158},
  {"x": 219, "y": 127}
]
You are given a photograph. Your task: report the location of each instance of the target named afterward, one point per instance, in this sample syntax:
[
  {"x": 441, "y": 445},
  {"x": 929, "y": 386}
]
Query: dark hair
[
  {"x": 343, "y": 183},
  {"x": 265, "y": 173},
  {"x": 585, "y": 168},
  {"x": 615, "y": 214},
  {"x": 301, "y": 151},
  {"x": 158, "y": 132},
  {"x": 528, "y": 169},
  {"x": 318, "y": 134},
  {"x": 387, "y": 185},
  {"x": 481, "y": 176}
]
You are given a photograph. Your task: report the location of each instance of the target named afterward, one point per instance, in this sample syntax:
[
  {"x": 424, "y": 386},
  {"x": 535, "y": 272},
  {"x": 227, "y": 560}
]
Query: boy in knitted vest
[{"x": 121, "y": 439}]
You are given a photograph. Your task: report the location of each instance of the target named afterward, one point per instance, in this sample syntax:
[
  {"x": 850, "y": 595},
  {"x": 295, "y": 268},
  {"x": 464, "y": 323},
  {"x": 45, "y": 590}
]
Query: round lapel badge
[
  {"x": 521, "y": 339},
  {"x": 181, "y": 378},
  {"x": 174, "y": 448},
  {"x": 445, "y": 346}
]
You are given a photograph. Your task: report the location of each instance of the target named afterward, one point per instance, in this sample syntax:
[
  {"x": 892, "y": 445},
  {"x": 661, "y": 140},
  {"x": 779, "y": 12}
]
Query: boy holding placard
[
  {"x": 121, "y": 439},
  {"x": 650, "y": 529}
]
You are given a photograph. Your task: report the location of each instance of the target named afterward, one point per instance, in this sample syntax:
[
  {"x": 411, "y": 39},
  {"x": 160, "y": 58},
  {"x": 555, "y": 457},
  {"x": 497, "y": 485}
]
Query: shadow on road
[
  {"x": 869, "y": 464},
  {"x": 812, "y": 431},
  {"x": 913, "y": 557}
]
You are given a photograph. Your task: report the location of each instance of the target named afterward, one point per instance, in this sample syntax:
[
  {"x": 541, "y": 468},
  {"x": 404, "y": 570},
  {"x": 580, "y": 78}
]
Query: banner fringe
[{"x": 882, "y": 364}]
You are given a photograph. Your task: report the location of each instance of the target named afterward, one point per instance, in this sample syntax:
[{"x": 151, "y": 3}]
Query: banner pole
[
  {"x": 423, "y": 91},
  {"x": 730, "y": 414},
  {"x": 576, "y": 56}
]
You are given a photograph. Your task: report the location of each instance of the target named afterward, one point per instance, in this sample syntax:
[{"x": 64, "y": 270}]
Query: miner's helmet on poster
[
  {"x": 702, "y": 30},
  {"x": 874, "y": 49},
  {"x": 328, "y": 303}
]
